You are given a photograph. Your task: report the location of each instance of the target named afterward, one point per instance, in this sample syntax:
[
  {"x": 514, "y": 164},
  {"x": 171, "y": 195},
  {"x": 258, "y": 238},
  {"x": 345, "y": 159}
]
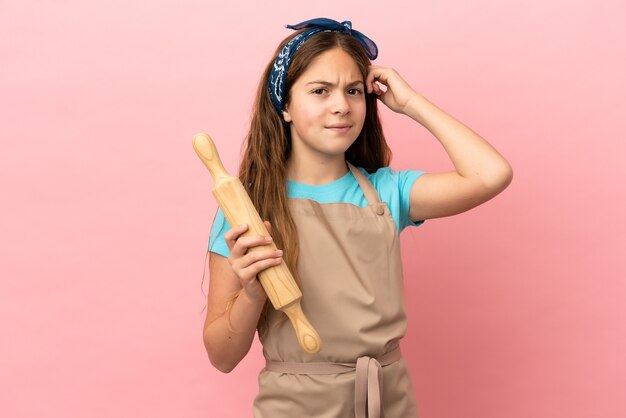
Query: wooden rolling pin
[{"x": 279, "y": 284}]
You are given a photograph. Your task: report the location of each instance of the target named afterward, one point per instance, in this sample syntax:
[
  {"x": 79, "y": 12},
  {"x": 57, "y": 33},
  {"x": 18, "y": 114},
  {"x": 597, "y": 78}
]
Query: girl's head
[{"x": 271, "y": 134}]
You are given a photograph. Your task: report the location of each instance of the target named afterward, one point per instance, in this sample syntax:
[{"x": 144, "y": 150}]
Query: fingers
[
  {"x": 249, "y": 255},
  {"x": 377, "y": 89},
  {"x": 239, "y": 244},
  {"x": 374, "y": 75},
  {"x": 390, "y": 88},
  {"x": 235, "y": 234},
  {"x": 388, "y": 77},
  {"x": 248, "y": 266}
]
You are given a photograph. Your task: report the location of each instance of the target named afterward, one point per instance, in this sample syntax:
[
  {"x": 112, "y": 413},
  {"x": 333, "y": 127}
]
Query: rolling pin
[{"x": 279, "y": 284}]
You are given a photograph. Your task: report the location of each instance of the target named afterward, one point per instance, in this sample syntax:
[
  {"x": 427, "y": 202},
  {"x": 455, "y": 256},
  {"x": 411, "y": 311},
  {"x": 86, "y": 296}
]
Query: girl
[{"x": 316, "y": 165}]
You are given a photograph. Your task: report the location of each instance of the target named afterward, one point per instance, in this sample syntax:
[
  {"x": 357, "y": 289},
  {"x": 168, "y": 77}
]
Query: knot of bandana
[{"x": 278, "y": 75}]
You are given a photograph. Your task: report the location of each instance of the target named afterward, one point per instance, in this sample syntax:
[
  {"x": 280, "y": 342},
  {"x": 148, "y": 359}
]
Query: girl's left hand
[{"x": 398, "y": 93}]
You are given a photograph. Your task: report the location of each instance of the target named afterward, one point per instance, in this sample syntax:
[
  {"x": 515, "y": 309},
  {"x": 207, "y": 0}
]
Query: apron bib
[{"x": 352, "y": 287}]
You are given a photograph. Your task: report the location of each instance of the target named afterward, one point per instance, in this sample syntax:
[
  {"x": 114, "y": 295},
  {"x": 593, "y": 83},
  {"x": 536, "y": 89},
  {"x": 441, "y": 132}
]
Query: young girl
[{"x": 316, "y": 165}]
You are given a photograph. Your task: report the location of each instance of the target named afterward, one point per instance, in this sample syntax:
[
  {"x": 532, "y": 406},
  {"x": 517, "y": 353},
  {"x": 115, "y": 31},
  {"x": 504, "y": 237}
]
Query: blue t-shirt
[{"x": 393, "y": 187}]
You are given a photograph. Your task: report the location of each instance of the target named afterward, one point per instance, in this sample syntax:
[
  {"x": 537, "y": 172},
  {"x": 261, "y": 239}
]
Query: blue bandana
[{"x": 281, "y": 64}]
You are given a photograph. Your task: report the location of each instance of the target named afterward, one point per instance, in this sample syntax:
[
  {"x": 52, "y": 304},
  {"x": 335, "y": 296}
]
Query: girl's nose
[{"x": 340, "y": 104}]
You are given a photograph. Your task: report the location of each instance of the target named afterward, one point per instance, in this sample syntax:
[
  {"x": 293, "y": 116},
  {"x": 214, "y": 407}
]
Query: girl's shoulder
[
  {"x": 389, "y": 182},
  {"x": 394, "y": 188}
]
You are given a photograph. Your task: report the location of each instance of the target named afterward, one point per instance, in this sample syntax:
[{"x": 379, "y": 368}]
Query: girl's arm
[
  {"x": 228, "y": 333},
  {"x": 481, "y": 172}
]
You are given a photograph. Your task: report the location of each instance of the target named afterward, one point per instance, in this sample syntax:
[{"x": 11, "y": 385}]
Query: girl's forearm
[
  {"x": 228, "y": 338},
  {"x": 472, "y": 156}
]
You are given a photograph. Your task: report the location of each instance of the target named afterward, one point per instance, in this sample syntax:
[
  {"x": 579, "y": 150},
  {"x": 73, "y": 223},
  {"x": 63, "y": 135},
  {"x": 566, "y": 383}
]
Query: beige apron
[{"x": 352, "y": 288}]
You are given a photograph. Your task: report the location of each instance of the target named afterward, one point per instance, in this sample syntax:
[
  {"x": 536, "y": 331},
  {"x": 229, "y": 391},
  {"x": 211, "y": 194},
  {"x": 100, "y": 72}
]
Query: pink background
[{"x": 514, "y": 306}]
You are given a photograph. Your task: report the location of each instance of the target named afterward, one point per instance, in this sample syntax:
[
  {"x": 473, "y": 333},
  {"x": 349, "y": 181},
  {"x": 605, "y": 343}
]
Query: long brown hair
[{"x": 268, "y": 144}]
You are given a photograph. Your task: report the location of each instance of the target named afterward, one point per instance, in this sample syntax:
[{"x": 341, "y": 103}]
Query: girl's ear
[{"x": 286, "y": 115}]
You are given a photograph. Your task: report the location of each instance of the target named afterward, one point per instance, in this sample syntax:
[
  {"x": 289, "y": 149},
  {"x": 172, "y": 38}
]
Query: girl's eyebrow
[{"x": 328, "y": 83}]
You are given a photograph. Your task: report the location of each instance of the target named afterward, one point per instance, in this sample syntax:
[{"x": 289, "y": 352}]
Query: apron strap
[
  {"x": 368, "y": 188},
  {"x": 368, "y": 387}
]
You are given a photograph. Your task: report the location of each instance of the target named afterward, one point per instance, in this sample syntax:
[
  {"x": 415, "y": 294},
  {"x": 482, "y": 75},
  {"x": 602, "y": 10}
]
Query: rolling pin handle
[
  {"x": 206, "y": 150},
  {"x": 308, "y": 338}
]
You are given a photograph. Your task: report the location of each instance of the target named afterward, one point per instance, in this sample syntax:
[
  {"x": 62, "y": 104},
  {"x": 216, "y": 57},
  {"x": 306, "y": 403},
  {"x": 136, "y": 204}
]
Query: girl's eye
[
  {"x": 355, "y": 91},
  {"x": 319, "y": 91}
]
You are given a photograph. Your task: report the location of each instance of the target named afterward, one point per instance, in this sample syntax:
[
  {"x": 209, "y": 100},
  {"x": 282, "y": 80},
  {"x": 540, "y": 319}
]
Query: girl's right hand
[{"x": 247, "y": 264}]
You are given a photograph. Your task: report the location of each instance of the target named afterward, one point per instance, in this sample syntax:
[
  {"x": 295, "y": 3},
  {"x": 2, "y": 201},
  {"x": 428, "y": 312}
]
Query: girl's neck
[{"x": 316, "y": 173}]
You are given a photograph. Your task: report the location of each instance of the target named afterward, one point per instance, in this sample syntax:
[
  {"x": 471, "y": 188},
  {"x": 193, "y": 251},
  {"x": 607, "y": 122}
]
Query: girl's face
[{"x": 326, "y": 108}]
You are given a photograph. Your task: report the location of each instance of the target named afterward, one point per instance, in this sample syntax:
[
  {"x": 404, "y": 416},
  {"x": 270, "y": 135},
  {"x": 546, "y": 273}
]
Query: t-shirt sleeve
[
  {"x": 220, "y": 226},
  {"x": 406, "y": 179},
  {"x": 394, "y": 188}
]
